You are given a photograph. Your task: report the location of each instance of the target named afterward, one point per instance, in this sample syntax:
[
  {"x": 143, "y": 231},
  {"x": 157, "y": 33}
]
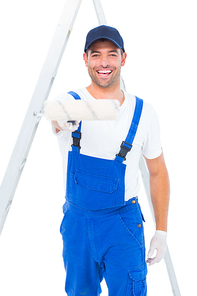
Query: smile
[{"x": 104, "y": 73}]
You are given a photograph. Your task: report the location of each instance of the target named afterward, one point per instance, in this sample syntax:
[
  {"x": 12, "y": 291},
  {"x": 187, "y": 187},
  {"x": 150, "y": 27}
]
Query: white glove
[
  {"x": 68, "y": 126},
  {"x": 159, "y": 243}
]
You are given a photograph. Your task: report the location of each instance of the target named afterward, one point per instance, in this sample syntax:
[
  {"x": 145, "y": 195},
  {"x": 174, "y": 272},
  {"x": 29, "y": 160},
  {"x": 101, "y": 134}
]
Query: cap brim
[{"x": 103, "y": 37}]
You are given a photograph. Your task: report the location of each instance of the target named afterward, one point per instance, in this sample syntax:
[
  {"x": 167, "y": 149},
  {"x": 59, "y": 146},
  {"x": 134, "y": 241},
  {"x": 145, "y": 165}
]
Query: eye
[{"x": 95, "y": 55}]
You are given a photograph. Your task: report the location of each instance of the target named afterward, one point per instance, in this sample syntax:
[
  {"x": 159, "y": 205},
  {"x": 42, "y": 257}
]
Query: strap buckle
[
  {"x": 125, "y": 148},
  {"x": 76, "y": 139}
]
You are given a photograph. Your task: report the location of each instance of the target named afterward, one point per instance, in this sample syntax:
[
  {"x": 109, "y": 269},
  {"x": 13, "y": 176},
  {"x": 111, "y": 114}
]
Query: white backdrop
[{"x": 160, "y": 39}]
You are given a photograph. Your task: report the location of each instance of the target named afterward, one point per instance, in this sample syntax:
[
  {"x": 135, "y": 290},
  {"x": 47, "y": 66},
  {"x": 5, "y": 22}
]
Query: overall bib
[{"x": 102, "y": 233}]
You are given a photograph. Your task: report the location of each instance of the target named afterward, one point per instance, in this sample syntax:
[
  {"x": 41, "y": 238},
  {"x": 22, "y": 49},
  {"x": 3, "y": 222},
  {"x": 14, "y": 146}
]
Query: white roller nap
[{"x": 68, "y": 110}]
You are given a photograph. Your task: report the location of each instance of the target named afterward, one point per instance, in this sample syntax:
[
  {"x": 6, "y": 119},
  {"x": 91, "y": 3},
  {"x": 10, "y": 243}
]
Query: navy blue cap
[{"x": 106, "y": 32}]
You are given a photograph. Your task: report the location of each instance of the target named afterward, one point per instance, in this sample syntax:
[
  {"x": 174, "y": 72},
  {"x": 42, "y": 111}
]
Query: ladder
[{"x": 32, "y": 119}]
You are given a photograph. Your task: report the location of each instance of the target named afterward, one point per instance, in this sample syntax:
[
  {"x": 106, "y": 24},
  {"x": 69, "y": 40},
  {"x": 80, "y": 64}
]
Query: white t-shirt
[{"x": 102, "y": 139}]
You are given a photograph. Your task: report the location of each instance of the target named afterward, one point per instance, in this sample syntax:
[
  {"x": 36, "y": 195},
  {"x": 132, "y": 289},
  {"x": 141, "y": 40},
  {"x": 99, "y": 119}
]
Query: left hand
[{"x": 159, "y": 243}]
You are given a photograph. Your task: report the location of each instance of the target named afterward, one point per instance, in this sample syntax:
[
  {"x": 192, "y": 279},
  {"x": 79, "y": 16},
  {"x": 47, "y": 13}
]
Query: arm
[{"x": 159, "y": 190}]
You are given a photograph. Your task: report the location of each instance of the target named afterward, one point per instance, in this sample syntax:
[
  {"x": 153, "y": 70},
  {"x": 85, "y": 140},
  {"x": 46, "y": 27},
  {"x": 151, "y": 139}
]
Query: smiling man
[
  {"x": 102, "y": 228},
  {"x": 106, "y": 73}
]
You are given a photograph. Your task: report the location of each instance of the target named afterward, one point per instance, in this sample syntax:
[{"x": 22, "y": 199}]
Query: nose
[{"x": 104, "y": 62}]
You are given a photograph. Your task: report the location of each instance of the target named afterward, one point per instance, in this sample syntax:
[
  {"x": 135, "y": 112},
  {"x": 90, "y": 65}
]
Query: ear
[
  {"x": 85, "y": 59},
  {"x": 124, "y": 56}
]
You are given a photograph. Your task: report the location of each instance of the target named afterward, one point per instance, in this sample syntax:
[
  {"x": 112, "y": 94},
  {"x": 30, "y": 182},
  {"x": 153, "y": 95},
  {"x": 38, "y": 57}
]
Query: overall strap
[
  {"x": 127, "y": 144},
  {"x": 76, "y": 135}
]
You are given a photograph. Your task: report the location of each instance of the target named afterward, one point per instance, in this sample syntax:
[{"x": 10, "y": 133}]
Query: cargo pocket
[{"x": 137, "y": 281}]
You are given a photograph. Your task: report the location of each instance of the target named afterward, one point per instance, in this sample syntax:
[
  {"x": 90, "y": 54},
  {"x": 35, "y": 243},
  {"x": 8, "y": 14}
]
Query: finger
[
  {"x": 149, "y": 260},
  {"x": 152, "y": 261},
  {"x": 151, "y": 251},
  {"x": 157, "y": 259}
]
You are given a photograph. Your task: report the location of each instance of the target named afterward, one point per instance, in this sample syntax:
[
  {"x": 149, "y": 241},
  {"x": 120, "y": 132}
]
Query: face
[{"x": 104, "y": 61}]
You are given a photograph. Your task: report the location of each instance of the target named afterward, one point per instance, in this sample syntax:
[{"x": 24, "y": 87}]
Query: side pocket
[
  {"x": 132, "y": 222},
  {"x": 137, "y": 281}
]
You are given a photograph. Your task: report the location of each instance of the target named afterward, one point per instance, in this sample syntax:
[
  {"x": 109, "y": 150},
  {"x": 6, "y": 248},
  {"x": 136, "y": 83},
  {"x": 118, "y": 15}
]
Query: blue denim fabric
[
  {"x": 105, "y": 243},
  {"x": 102, "y": 234},
  {"x": 94, "y": 183}
]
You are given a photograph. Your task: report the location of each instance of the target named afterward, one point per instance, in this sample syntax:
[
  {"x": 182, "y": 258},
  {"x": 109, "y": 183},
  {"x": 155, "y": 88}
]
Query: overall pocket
[
  {"x": 94, "y": 183},
  {"x": 94, "y": 192},
  {"x": 133, "y": 224},
  {"x": 137, "y": 281}
]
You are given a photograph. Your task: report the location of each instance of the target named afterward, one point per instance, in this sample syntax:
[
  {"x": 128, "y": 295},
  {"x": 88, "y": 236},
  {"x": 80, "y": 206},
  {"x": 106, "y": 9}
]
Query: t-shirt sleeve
[{"x": 152, "y": 147}]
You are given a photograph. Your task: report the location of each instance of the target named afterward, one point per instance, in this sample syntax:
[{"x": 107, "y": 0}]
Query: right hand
[
  {"x": 56, "y": 126},
  {"x": 65, "y": 126}
]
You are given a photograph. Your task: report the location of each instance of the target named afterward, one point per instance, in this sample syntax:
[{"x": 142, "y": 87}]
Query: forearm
[
  {"x": 159, "y": 190},
  {"x": 160, "y": 194}
]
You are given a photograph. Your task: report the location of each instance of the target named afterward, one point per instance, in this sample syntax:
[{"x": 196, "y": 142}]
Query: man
[{"x": 102, "y": 228}]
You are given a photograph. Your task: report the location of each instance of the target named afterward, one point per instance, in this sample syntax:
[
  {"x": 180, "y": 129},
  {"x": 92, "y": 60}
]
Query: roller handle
[{"x": 72, "y": 121}]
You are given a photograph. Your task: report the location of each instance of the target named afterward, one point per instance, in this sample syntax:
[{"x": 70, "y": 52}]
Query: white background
[{"x": 160, "y": 39}]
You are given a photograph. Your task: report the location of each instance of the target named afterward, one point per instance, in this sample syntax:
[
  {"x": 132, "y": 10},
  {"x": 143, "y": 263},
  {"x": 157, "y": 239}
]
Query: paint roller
[{"x": 77, "y": 110}]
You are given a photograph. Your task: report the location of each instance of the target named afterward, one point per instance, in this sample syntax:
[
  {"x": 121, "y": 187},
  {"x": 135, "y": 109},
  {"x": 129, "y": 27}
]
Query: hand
[
  {"x": 56, "y": 127},
  {"x": 68, "y": 126},
  {"x": 158, "y": 243}
]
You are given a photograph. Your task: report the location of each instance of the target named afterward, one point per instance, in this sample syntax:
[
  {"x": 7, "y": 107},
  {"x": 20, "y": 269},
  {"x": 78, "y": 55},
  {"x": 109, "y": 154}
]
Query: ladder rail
[
  {"x": 31, "y": 121},
  {"x": 99, "y": 12}
]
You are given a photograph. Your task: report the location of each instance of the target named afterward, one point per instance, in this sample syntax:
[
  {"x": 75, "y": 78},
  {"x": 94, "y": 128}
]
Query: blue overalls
[{"x": 102, "y": 234}]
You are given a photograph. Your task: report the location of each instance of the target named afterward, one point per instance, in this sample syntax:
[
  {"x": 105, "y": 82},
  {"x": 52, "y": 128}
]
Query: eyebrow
[{"x": 96, "y": 51}]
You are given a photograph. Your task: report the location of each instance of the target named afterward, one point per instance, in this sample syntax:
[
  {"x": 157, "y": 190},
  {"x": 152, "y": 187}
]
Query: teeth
[{"x": 104, "y": 72}]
